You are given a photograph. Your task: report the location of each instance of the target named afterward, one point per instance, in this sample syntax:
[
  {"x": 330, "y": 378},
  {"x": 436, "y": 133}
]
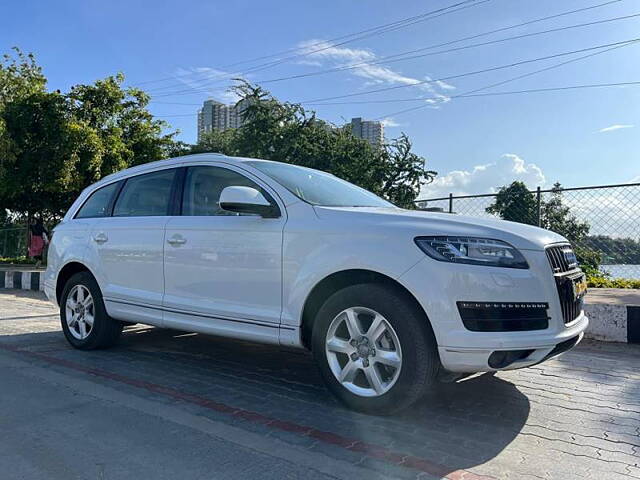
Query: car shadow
[{"x": 459, "y": 426}]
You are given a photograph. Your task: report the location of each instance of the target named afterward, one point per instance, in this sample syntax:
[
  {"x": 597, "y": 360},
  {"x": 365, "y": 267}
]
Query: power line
[
  {"x": 335, "y": 39},
  {"x": 519, "y": 77},
  {"x": 439, "y": 52},
  {"x": 489, "y": 94},
  {"x": 503, "y": 29},
  {"x": 475, "y": 72},
  {"x": 444, "y": 11},
  {"x": 473, "y": 92},
  {"x": 227, "y": 76},
  {"x": 389, "y": 57},
  {"x": 473, "y": 95},
  {"x": 345, "y": 39}
]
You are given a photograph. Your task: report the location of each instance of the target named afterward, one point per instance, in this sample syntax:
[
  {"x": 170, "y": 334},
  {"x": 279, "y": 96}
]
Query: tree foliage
[
  {"x": 556, "y": 216},
  {"x": 53, "y": 144},
  {"x": 515, "y": 203},
  {"x": 287, "y": 132}
]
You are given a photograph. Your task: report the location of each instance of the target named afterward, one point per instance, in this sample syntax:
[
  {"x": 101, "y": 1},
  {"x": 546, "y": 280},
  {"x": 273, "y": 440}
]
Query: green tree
[
  {"x": 515, "y": 203},
  {"x": 53, "y": 145},
  {"x": 288, "y": 133},
  {"x": 40, "y": 153},
  {"x": 19, "y": 76},
  {"x": 119, "y": 116},
  {"x": 556, "y": 216}
]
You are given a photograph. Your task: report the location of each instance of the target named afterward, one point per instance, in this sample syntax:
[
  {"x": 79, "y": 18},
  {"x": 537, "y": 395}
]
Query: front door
[{"x": 221, "y": 269}]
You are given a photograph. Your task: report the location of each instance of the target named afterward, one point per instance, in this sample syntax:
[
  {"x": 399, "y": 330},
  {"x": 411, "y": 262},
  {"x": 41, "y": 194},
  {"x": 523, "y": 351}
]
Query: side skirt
[{"x": 241, "y": 329}]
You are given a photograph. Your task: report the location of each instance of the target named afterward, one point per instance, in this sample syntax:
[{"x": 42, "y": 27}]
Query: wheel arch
[
  {"x": 66, "y": 272},
  {"x": 344, "y": 278}
]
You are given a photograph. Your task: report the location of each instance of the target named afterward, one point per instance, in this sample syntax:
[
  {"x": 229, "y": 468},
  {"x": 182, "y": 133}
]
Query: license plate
[{"x": 579, "y": 287}]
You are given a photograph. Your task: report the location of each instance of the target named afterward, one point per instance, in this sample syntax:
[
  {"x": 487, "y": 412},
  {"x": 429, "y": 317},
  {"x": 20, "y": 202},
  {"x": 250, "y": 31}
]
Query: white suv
[{"x": 386, "y": 299}]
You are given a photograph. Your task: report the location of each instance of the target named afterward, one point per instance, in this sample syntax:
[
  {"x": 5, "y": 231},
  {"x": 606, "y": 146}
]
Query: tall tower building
[
  {"x": 217, "y": 116},
  {"x": 369, "y": 130}
]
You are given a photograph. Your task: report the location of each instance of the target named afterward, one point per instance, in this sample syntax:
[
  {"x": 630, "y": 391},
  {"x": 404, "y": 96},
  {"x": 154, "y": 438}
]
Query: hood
[{"x": 420, "y": 223}]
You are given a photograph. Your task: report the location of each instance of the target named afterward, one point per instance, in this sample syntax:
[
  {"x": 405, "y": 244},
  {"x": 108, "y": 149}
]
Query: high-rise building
[
  {"x": 369, "y": 130},
  {"x": 217, "y": 116}
]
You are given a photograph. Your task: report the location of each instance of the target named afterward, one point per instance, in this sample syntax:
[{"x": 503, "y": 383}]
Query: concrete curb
[{"x": 22, "y": 279}]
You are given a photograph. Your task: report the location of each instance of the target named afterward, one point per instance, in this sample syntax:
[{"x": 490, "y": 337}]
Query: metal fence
[
  {"x": 602, "y": 219},
  {"x": 13, "y": 242}
]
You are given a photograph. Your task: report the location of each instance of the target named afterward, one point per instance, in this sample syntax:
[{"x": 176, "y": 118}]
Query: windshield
[{"x": 319, "y": 188}]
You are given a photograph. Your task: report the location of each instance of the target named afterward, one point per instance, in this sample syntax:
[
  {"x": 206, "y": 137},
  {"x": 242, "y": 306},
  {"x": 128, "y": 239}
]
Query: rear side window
[
  {"x": 203, "y": 187},
  {"x": 98, "y": 202},
  {"x": 145, "y": 195}
]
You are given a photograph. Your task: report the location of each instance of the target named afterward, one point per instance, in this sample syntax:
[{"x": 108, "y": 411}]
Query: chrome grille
[
  {"x": 571, "y": 307},
  {"x": 565, "y": 267},
  {"x": 561, "y": 258}
]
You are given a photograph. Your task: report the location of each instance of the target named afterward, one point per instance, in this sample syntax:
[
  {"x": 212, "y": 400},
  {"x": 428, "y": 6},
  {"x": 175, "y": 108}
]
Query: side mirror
[{"x": 247, "y": 200}]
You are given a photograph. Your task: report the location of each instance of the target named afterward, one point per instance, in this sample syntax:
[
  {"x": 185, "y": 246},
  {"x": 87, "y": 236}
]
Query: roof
[{"x": 171, "y": 162}]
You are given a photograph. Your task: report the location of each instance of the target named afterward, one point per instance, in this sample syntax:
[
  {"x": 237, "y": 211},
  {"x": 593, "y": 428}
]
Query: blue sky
[{"x": 581, "y": 137}]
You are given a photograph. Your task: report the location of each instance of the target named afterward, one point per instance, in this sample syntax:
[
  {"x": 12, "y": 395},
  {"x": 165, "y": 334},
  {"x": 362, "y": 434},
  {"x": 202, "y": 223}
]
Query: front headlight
[{"x": 472, "y": 251}]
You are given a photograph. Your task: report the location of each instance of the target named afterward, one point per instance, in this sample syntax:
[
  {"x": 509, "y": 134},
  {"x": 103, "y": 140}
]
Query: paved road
[{"x": 166, "y": 405}]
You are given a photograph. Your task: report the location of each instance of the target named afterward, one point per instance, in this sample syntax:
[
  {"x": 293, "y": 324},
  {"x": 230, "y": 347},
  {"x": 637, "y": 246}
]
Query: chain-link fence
[
  {"x": 13, "y": 242},
  {"x": 602, "y": 222}
]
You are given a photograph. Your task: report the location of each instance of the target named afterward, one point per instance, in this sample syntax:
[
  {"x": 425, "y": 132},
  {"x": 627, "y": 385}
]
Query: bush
[
  {"x": 600, "y": 281},
  {"x": 17, "y": 260}
]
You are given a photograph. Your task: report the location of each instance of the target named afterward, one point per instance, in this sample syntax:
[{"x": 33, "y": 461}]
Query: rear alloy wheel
[
  {"x": 80, "y": 312},
  {"x": 375, "y": 348},
  {"x": 85, "y": 322}
]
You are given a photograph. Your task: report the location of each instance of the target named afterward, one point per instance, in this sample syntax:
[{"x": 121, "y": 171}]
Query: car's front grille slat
[{"x": 563, "y": 271}]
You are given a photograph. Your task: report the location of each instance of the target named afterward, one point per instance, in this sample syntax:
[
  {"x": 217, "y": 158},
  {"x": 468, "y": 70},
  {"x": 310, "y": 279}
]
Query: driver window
[{"x": 203, "y": 186}]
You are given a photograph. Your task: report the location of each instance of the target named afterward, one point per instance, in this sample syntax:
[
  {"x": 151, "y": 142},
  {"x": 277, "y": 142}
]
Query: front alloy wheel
[
  {"x": 363, "y": 352},
  {"x": 375, "y": 348}
]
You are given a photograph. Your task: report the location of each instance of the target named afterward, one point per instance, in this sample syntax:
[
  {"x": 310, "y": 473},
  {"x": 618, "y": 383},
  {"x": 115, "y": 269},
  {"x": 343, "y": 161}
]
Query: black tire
[
  {"x": 105, "y": 330},
  {"x": 420, "y": 360}
]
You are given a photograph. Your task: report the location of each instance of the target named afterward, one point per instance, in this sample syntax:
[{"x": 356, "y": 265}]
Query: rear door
[
  {"x": 129, "y": 247},
  {"x": 222, "y": 268}
]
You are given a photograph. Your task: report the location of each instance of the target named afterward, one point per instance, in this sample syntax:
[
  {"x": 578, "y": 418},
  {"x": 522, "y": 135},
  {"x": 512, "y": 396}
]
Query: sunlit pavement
[{"x": 164, "y": 404}]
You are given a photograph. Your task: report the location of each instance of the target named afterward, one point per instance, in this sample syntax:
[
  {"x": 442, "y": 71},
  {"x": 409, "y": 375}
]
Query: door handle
[
  {"x": 176, "y": 241},
  {"x": 100, "y": 238}
]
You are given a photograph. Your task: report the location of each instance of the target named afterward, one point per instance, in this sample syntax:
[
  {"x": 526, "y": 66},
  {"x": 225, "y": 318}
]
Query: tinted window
[
  {"x": 203, "y": 186},
  {"x": 145, "y": 195},
  {"x": 319, "y": 188},
  {"x": 97, "y": 203}
]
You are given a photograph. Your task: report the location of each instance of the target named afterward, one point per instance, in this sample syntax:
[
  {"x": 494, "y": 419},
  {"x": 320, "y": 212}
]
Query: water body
[{"x": 622, "y": 271}]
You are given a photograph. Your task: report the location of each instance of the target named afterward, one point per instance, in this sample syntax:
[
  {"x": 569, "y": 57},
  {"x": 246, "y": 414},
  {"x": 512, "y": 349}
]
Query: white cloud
[
  {"x": 614, "y": 127},
  {"x": 444, "y": 85},
  {"x": 325, "y": 52},
  {"x": 207, "y": 81},
  {"x": 485, "y": 178},
  {"x": 390, "y": 122}
]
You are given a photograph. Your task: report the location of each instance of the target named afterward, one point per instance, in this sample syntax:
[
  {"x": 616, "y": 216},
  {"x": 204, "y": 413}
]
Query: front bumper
[
  {"x": 467, "y": 360},
  {"x": 438, "y": 286}
]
